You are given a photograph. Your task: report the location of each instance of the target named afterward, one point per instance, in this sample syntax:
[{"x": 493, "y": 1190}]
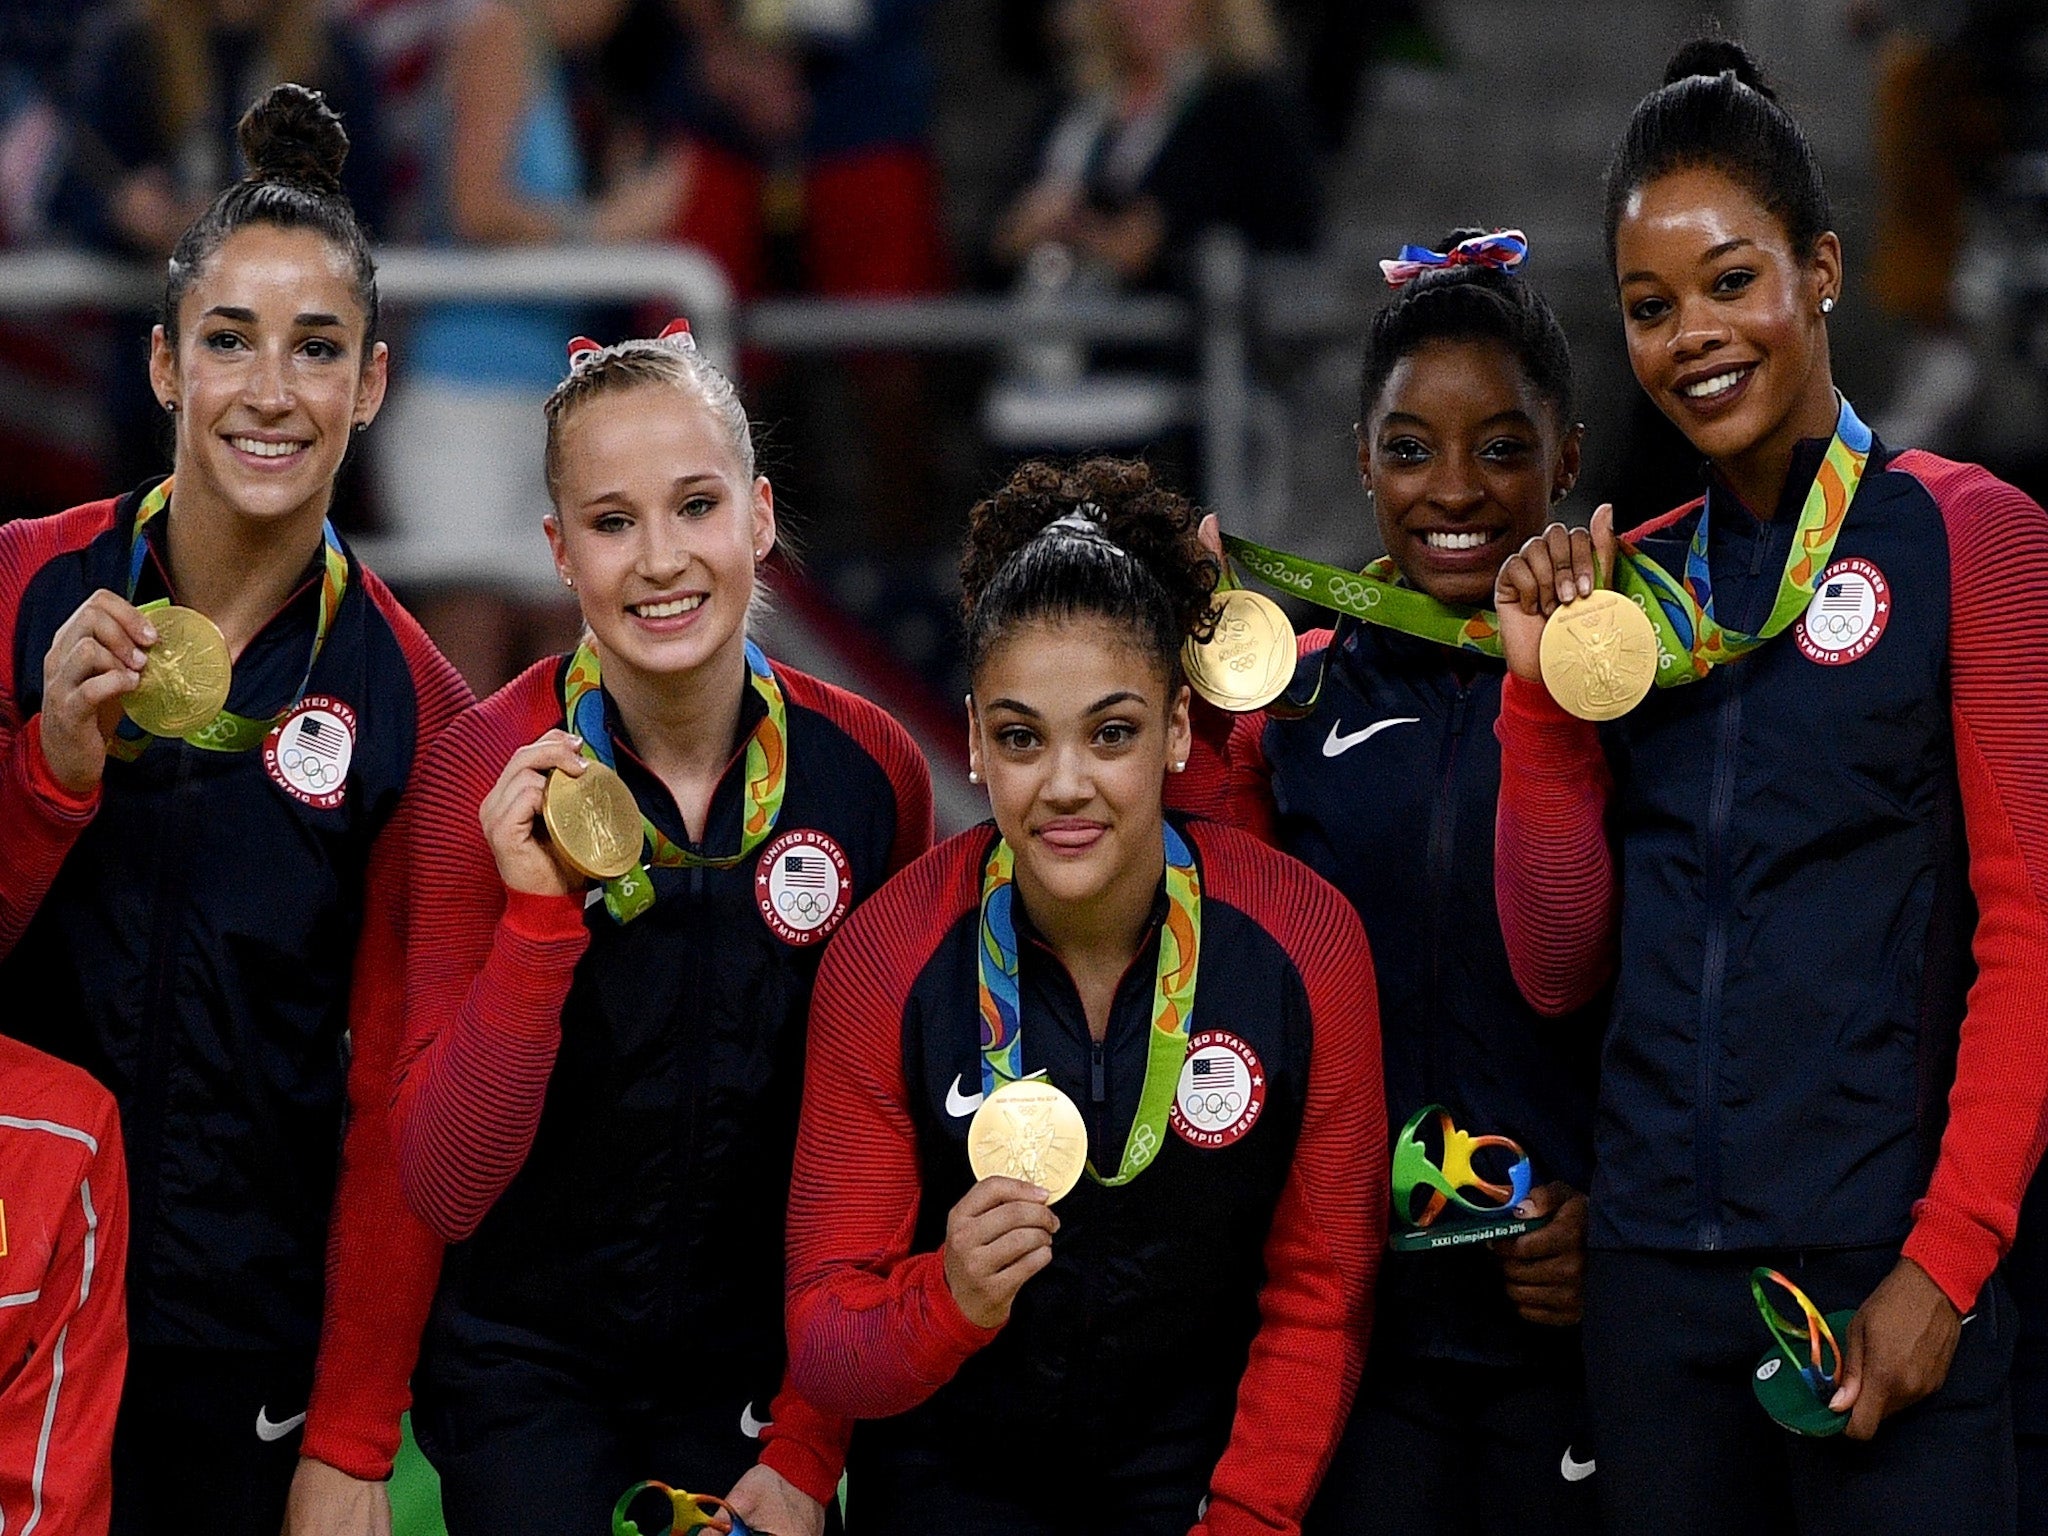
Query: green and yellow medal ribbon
[
  {"x": 1690, "y": 641},
  {"x": 766, "y": 782},
  {"x": 226, "y": 731},
  {"x": 1173, "y": 995}
]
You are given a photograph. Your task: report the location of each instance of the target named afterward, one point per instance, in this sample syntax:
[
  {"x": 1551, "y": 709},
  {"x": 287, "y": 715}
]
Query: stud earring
[
  {"x": 1180, "y": 766},
  {"x": 973, "y": 776},
  {"x": 1827, "y": 306},
  {"x": 569, "y": 582},
  {"x": 171, "y": 406}
]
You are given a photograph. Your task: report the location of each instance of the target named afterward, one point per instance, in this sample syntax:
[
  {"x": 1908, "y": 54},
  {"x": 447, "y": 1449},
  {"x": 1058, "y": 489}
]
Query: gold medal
[
  {"x": 1599, "y": 656},
  {"x": 1029, "y": 1130},
  {"x": 593, "y": 821},
  {"x": 1249, "y": 661},
  {"x": 185, "y": 678}
]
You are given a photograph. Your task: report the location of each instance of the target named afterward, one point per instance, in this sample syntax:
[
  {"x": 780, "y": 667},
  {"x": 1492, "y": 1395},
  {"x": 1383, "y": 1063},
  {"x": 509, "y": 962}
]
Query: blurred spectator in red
[
  {"x": 459, "y": 468},
  {"x": 810, "y": 117},
  {"x": 1176, "y": 124},
  {"x": 408, "y": 42}
]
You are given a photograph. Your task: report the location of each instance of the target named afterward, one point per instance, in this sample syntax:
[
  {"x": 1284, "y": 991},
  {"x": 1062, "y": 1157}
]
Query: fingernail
[
  {"x": 149, "y": 632},
  {"x": 575, "y": 740},
  {"x": 1525, "y": 1209},
  {"x": 1043, "y": 1194},
  {"x": 1585, "y": 586},
  {"x": 1835, "y": 1403},
  {"x": 136, "y": 659}
]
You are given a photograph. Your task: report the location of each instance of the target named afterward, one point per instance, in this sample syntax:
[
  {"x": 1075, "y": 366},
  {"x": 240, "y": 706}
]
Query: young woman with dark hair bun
[
  {"x": 199, "y": 885},
  {"x": 1472, "y": 1394},
  {"x": 1814, "y": 866},
  {"x": 1174, "y": 1345}
]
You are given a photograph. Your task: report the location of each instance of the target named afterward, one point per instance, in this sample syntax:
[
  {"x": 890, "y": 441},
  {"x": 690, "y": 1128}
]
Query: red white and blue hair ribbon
[{"x": 1505, "y": 249}]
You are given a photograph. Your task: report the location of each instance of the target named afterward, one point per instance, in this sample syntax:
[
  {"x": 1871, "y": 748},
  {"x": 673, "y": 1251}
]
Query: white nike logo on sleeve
[
  {"x": 1337, "y": 744},
  {"x": 266, "y": 1430},
  {"x": 750, "y": 1426},
  {"x": 960, "y": 1105},
  {"x": 1575, "y": 1471}
]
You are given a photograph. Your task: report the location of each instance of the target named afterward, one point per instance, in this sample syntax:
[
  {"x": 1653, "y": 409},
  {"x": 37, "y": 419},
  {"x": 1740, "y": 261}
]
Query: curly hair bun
[
  {"x": 292, "y": 135},
  {"x": 1712, "y": 56}
]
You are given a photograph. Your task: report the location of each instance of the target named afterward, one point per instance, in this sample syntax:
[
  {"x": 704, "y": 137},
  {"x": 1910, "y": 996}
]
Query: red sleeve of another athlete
[
  {"x": 1998, "y": 664},
  {"x": 58, "y": 1401},
  {"x": 39, "y": 818},
  {"x": 382, "y": 1262},
  {"x": 1227, "y": 777},
  {"x": 873, "y": 1328},
  {"x": 486, "y": 974},
  {"x": 1553, "y": 869},
  {"x": 1323, "y": 1250}
]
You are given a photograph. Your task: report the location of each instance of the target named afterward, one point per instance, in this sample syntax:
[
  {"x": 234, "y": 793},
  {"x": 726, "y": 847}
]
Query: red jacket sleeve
[
  {"x": 1553, "y": 871},
  {"x": 59, "y": 1396},
  {"x": 39, "y": 818},
  {"x": 1322, "y": 1253},
  {"x": 873, "y": 1327},
  {"x": 1998, "y": 663},
  {"x": 487, "y": 973},
  {"x": 1227, "y": 777},
  {"x": 382, "y": 1263}
]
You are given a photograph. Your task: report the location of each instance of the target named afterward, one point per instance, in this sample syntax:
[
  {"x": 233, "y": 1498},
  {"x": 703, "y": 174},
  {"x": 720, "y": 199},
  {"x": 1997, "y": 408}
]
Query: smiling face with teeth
[
  {"x": 269, "y": 375},
  {"x": 659, "y": 529},
  {"x": 1724, "y": 327},
  {"x": 1463, "y": 457}
]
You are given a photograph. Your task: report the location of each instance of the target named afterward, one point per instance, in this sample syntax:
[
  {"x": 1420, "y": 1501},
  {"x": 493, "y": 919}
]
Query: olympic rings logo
[
  {"x": 316, "y": 771},
  {"x": 1353, "y": 592},
  {"x": 1834, "y": 626},
  {"x": 1212, "y": 1108},
  {"x": 806, "y": 907}
]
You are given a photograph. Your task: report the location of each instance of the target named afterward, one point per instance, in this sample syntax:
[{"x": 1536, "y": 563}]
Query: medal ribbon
[
  {"x": 1690, "y": 642},
  {"x": 1173, "y": 995},
  {"x": 228, "y": 732},
  {"x": 767, "y": 775}
]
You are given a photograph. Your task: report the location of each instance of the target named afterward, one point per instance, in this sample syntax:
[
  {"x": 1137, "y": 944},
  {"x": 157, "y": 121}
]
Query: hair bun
[
  {"x": 1456, "y": 238},
  {"x": 1711, "y": 56},
  {"x": 291, "y": 134}
]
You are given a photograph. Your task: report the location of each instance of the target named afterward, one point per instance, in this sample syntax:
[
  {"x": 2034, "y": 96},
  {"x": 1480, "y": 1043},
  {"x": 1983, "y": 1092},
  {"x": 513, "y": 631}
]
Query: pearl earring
[
  {"x": 171, "y": 406},
  {"x": 1180, "y": 766},
  {"x": 973, "y": 777},
  {"x": 569, "y": 582},
  {"x": 1827, "y": 306}
]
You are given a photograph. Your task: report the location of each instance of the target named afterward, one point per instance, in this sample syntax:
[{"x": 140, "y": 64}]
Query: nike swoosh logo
[
  {"x": 1575, "y": 1471},
  {"x": 960, "y": 1105},
  {"x": 266, "y": 1430},
  {"x": 750, "y": 1426},
  {"x": 1337, "y": 745}
]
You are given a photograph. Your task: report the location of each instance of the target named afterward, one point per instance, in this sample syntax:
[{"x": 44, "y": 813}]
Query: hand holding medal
[
  {"x": 687, "y": 1512},
  {"x": 520, "y": 812},
  {"x": 1560, "y": 622}
]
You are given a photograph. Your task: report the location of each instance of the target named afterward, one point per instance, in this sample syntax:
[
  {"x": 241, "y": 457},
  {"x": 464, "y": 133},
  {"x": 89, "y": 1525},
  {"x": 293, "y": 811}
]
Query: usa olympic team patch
[
  {"x": 1222, "y": 1091},
  {"x": 1851, "y": 604},
  {"x": 307, "y": 753},
  {"x": 804, "y": 886}
]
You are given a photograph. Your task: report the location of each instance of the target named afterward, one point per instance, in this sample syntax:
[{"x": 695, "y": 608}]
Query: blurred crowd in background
[{"x": 890, "y": 149}]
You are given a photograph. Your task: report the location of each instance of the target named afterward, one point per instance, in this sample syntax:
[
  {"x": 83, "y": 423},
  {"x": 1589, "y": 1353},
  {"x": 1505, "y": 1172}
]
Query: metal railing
[{"x": 1214, "y": 327}]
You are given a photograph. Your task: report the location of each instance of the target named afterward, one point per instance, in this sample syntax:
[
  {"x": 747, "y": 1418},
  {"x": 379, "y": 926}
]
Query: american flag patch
[
  {"x": 314, "y": 737},
  {"x": 1216, "y": 1068},
  {"x": 1837, "y": 598},
  {"x": 807, "y": 871}
]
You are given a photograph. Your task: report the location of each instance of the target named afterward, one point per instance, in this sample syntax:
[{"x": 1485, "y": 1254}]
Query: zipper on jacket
[
  {"x": 1443, "y": 824},
  {"x": 167, "y": 910},
  {"x": 1706, "y": 1151},
  {"x": 1098, "y": 1096}
]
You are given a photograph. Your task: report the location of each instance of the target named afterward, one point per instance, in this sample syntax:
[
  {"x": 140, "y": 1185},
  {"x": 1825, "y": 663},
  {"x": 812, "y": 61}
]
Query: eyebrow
[
  {"x": 1107, "y": 701},
  {"x": 680, "y": 483},
  {"x": 1513, "y": 413},
  {"x": 1714, "y": 255},
  {"x": 311, "y": 320}
]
